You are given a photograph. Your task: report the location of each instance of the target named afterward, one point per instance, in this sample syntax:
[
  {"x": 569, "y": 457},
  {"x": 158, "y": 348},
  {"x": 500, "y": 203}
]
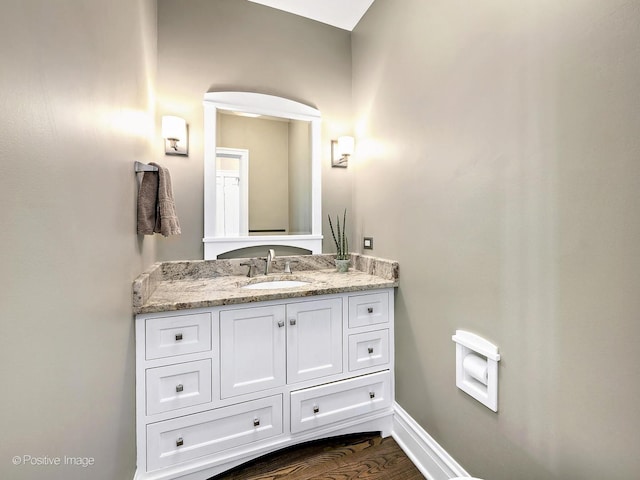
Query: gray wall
[
  {"x": 76, "y": 86},
  {"x": 498, "y": 154},
  {"x": 208, "y": 45}
]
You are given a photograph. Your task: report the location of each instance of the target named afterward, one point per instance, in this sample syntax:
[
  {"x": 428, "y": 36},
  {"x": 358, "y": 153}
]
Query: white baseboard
[{"x": 428, "y": 456}]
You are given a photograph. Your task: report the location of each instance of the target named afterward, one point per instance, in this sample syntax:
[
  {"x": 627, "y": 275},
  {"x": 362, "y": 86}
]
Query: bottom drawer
[
  {"x": 326, "y": 404},
  {"x": 193, "y": 436}
]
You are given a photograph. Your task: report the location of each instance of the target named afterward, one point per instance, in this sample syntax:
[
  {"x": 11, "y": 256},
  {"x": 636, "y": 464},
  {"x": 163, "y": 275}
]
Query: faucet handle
[
  {"x": 252, "y": 268},
  {"x": 287, "y": 265}
]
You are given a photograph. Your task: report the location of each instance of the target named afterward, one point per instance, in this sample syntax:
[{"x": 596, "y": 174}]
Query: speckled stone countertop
[{"x": 170, "y": 286}]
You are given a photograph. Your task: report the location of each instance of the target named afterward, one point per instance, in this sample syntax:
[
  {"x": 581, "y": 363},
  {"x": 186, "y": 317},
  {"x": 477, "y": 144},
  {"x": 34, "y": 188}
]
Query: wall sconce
[
  {"x": 341, "y": 149},
  {"x": 174, "y": 132}
]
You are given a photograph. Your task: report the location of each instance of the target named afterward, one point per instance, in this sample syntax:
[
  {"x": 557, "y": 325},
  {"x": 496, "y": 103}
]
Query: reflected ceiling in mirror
[{"x": 262, "y": 173}]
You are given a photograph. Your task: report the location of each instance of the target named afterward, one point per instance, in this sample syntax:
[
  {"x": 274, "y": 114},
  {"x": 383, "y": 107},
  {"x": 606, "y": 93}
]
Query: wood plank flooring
[{"x": 361, "y": 456}]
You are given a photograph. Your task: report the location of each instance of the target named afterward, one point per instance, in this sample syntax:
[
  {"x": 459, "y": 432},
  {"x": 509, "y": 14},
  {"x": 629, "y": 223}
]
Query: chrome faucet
[{"x": 270, "y": 257}]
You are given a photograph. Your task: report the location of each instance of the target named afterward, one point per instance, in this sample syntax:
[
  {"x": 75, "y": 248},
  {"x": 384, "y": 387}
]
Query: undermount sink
[{"x": 275, "y": 284}]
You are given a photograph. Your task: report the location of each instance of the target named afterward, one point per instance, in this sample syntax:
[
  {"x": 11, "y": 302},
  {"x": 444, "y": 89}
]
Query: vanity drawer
[
  {"x": 369, "y": 309},
  {"x": 185, "y": 438},
  {"x": 368, "y": 349},
  {"x": 318, "y": 406},
  {"x": 178, "y": 386},
  {"x": 177, "y": 335}
]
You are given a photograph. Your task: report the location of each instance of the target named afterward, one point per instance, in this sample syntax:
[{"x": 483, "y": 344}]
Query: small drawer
[
  {"x": 178, "y": 386},
  {"x": 177, "y": 335},
  {"x": 318, "y": 406},
  {"x": 368, "y": 349},
  {"x": 185, "y": 438},
  {"x": 369, "y": 309}
]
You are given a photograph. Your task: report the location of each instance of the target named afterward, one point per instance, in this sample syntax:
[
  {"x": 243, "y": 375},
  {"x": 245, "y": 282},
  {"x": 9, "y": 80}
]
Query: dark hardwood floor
[{"x": 362, "y": 456}]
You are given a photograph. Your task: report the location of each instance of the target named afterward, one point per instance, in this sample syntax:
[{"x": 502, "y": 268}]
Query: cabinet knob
[
  {"x": 179, "y": 442},
  {"x": 316, "y": 409},
  {"x": 372, "y": 394},
  {"x": 178, "y": 337},
  {"x": 370, "y": 310},
  {"x": 256, "y": 422},
  {"x": 292, "y": 321},
  {"x": 281, "y": 323},
  {"x": 179, "y": 388},
  {"x": 370, "y": 350}
]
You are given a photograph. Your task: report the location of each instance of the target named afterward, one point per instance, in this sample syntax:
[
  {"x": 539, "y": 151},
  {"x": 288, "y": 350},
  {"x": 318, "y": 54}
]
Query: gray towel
[
  {"x": 166, "y": 218},
  {"x": 147, "y": 203},
  {"x": 156, "y": 206}
]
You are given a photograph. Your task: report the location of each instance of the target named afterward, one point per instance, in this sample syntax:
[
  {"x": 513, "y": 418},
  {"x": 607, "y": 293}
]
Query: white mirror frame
[{"x": 258, "y": 103}]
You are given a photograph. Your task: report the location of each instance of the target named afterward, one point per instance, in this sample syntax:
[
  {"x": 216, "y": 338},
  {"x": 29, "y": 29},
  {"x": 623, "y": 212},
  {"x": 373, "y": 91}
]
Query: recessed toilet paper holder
[{"x": 477, "y": 368}]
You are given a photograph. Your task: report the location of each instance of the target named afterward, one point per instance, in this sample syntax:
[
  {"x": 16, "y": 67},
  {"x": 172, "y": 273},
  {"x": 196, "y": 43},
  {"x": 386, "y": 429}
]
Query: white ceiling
[{"x": 343, "y": 14}]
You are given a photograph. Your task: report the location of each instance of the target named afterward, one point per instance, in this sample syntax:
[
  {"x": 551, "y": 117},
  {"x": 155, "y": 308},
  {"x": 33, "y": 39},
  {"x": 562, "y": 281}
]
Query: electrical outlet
[{"x": 367, "y": 244}]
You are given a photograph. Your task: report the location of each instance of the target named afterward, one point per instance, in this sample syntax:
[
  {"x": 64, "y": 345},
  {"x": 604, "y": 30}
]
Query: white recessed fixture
[
  {"x": 343, "y": 14},
  {"x": 477, "y": 368}
]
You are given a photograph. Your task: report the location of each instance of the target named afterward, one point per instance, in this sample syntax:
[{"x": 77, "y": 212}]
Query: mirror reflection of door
[
  {"x": 232, "y": 192},
  {"x": 280, "y": 171}
]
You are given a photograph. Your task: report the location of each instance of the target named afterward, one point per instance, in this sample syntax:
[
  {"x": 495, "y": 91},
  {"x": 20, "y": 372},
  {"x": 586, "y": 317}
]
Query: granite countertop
[{"x": 170, "y": 286}]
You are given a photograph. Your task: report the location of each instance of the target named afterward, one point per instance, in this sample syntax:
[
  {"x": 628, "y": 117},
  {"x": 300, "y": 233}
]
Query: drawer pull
[
  {"x": 370, "y": 310},
  {"x": 316, "y": 409},
  {"x": 256, "y": 422},
  {"x": 370, "y": 350},
  {"x": 292, "y": 321},
  {"x": 281, "y": 323},
  {"x": 178, "y": 337},
  {"x": 179, "y": 388},
  {"x": 372, "y": 394},
  {"x": 179, "y": 442}
]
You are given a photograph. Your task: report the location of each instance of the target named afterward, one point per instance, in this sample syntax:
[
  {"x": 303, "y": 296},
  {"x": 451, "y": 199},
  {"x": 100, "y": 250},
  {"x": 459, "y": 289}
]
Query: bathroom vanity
[{"x": 229, "y": 368}]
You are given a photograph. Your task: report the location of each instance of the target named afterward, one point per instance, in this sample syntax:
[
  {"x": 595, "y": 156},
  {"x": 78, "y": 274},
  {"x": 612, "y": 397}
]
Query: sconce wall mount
[
  {"x": 341, "y": 150},
  {"x": 175, "y": 135}
]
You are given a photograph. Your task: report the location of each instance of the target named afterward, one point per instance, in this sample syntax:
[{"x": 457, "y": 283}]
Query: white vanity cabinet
[{"x": 219, "y": 386}]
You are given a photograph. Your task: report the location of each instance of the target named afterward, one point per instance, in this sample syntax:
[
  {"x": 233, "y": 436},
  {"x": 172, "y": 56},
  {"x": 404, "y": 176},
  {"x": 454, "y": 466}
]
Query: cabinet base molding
[{"x": 380, "y": 422}]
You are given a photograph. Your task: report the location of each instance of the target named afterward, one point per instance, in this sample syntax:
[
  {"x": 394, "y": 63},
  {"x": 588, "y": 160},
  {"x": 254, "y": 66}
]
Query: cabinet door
[
  {"x": 252, "y": 349},
  {"x": 314, "y": 339}
]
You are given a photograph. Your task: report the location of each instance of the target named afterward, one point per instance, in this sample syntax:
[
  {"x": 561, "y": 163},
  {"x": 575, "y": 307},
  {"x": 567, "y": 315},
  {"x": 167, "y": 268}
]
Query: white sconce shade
[
  {"x": 341, "y": 149},
  {"x": 174, "y": 132},
  {"x": 346, "y": 145}
]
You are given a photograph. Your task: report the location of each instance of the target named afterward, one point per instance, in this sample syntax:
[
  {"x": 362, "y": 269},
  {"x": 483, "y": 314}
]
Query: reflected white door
[
  {"x": 228, "y": 202},
  {"x": 232, "y": 192}
]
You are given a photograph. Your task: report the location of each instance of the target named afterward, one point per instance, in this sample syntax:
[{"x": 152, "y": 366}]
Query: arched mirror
[{"x": 262, "y": 172}]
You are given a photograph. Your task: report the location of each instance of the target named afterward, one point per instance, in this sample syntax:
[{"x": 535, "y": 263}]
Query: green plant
[{"x": 342, "y": 244}]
